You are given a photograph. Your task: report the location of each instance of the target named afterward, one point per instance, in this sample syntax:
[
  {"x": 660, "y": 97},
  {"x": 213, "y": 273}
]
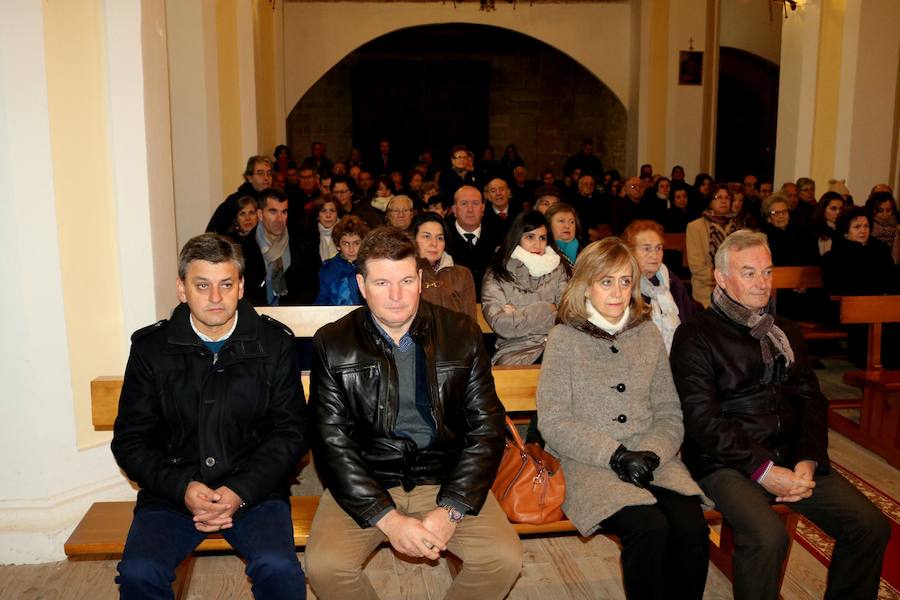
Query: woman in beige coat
[
  {"x": 609, "y": 410},
  {"x": 702, "y": 239}
]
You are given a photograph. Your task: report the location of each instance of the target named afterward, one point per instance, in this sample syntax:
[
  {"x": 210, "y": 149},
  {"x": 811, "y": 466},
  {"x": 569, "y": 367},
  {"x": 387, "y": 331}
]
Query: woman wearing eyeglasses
[
  {"x": 789, "y": 245},
  {"x": 702, "y": 239}
]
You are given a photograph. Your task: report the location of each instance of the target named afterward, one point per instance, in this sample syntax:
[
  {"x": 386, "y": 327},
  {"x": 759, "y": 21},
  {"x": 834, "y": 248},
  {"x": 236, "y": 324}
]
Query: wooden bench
[
  {"x": 102, "y": 532},
  {"x": 878, "y": 428},
  {"x": 805, "y": 278}
]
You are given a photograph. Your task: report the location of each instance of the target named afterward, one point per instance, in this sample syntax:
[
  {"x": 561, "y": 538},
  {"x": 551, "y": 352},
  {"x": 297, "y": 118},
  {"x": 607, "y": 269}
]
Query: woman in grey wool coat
[{"x": 609, "y": 410}]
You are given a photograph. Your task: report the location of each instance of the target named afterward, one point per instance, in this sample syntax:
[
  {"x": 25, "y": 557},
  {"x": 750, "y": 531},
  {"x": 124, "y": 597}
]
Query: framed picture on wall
[{"x": 690, "y": 68}]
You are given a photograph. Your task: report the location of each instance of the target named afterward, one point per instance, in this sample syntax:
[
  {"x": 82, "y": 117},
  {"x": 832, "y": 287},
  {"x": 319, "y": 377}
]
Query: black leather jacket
[
  {"x": 238, "y": 422},
  {"x": 354, "y": 400},
  {"x": 731, "y": 418}
]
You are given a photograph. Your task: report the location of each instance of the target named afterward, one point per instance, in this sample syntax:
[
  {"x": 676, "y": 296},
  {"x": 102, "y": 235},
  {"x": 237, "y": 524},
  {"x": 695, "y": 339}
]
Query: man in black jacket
[
  {"x": 211, "y": 427},
  {"x": 756, "y": 432},
  {"x": 257, "y": 177},
  {"x": 409, "y": 433},
  {"x": 471, "y": 240}
]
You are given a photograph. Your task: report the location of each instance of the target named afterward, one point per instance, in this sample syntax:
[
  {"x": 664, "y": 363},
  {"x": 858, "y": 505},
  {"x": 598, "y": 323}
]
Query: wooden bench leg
[{"x": 183, "y": 577}]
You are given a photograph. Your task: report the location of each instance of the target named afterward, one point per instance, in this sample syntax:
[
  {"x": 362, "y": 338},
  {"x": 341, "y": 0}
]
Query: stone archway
[{"x": 531, "y": 95}]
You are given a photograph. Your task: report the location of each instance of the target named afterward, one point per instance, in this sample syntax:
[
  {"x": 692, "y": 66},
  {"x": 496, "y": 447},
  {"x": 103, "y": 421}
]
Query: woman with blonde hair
[{"x": 609, "y": 410}]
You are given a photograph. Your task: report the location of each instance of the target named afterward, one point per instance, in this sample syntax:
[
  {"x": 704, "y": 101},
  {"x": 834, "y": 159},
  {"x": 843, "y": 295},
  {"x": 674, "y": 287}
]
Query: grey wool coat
[
  {"x": 521, "y": 335},
  {"x": 585, "y": 390}
]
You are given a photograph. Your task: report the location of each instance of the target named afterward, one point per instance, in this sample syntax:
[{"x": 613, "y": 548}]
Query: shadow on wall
[{"x": 439, "y": 85}]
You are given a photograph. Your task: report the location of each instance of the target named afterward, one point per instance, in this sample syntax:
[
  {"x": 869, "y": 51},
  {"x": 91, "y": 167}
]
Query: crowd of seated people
[
  {"x": 480, "y": 199},
  {"x": 602, "y": 315}
]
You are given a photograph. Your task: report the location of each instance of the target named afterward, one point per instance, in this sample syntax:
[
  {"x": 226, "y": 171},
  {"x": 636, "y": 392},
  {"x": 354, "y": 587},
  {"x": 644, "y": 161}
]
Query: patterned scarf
[
  {"x": 885, "y": 231},
  {"x": 762, "y": 327},
  {"x": 664, "y": 311},
  {"x": 720, "y": 227},
  {"x": 276, "y": 253}
]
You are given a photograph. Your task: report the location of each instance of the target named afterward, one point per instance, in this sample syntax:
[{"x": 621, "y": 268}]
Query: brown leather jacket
[
  {"x": 354, "y": 405},
  {"x": 451, "y": 286}
]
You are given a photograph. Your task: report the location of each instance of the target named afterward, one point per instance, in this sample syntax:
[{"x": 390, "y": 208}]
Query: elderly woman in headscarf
[{"x": 669, "y": 301}]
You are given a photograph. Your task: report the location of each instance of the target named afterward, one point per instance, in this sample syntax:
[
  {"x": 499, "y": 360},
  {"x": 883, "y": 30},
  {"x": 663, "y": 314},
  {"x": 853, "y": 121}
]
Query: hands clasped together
[
  {"x": 412, "y": 537},
  {"x": 790, "y": 486},
  {"x": 212, "y": 509}
]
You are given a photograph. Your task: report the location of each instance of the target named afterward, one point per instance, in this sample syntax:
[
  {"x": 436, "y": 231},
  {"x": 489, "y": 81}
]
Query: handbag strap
[{"x": 511, "y": 427}]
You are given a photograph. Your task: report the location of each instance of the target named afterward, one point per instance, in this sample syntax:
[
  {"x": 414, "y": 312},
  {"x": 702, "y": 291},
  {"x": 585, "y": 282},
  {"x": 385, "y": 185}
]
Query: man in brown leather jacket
[
  {"x": 756, "y": 432},
  {"x": 408, "y": 435}
]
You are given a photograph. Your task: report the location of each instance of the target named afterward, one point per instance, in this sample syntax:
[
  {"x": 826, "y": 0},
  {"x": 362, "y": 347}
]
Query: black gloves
[{"x": 634, "y": 466}]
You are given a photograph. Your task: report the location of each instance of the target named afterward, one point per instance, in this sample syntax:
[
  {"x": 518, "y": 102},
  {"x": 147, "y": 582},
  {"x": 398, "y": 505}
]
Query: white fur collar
[
  {"x": 446, "y": 261},
  {"x": 598, "y": 319},
  {"x": 537, "y": 265}
]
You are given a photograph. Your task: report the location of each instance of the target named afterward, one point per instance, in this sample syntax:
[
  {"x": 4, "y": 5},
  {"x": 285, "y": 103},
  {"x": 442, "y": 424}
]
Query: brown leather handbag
[{"x": 530, "y": 485}]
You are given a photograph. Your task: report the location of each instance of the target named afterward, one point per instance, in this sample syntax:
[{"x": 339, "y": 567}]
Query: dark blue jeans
[{"x": 159, "y": 539}]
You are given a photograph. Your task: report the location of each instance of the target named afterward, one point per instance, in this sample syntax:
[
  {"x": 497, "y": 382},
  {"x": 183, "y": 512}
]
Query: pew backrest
[
  {"x": 516, "y": 388},
  {"x": 305, "y": 321},
  {"x": 873, "y": 311},
  {"x": 809, "y": 277}
]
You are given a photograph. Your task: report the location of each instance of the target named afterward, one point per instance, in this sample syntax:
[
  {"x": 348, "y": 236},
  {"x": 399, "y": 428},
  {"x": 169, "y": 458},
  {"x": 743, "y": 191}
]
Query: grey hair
[
  {"x": 768, "y": 202},
  {"x": 737, "y": 241}
]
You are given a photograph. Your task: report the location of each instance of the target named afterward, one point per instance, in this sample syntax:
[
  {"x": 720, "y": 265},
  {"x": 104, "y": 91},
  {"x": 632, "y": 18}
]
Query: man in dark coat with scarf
[{"x": 756, "y": 432}]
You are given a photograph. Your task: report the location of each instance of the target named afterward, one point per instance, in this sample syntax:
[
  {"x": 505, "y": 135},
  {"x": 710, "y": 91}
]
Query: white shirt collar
[
  {"x": 206, "y": 338},
  {"x": 463, "y": 232}
]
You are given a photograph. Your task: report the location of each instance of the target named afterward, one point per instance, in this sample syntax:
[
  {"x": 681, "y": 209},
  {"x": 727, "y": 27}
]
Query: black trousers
[
  {"x": 859, "y": 529},
  {"x": 665, "y": 547}
]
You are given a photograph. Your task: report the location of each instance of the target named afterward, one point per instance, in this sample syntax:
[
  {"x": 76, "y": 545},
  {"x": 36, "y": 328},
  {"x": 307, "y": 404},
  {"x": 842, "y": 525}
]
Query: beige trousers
[{"x": 487, "y": 544}]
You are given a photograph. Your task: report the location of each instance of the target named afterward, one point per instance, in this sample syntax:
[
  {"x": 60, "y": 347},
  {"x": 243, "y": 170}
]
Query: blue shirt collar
[{"x": 406, "y": 342}]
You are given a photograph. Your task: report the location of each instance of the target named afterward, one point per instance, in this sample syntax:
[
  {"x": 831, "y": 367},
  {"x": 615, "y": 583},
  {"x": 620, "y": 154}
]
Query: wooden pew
[
  {"x": 305, "y": 321},
  {"x": 102, "y": 532},
  {"x": 878, "y": 428},
  {"x": 805, "y": 278}
]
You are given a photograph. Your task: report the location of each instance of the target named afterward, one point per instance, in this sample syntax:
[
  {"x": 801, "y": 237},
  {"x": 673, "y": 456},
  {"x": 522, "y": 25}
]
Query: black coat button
[
  {"x": 620, "y": 387},
  {"x": 621, "y": 418}
]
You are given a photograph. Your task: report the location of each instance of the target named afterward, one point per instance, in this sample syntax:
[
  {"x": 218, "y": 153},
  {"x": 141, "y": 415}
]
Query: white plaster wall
[
  {"x": 193, "y": 81},
  {"x": 45, "y": 481},
  {"x": 746, "y": 25},
  {"x": 160, "y": 177},
  {"x": 318, "y": 35},
  {"x": 131, "y": 181},
  {"x": 797, "y": 92},
  {"x": 868, "y": 124},
  {"x": 684, "y": 106}
]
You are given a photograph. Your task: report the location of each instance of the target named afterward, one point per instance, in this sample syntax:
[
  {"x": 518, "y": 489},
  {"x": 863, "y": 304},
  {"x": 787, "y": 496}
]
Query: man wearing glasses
[{"x": 257, "y": 177}]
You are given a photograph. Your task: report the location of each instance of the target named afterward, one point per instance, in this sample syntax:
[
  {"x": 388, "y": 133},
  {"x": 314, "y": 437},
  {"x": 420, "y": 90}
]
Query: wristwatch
[{"x": 453, "y": 514}]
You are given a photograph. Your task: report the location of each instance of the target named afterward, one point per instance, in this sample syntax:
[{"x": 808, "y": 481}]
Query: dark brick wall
[{"x": 540, "y": 100}]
